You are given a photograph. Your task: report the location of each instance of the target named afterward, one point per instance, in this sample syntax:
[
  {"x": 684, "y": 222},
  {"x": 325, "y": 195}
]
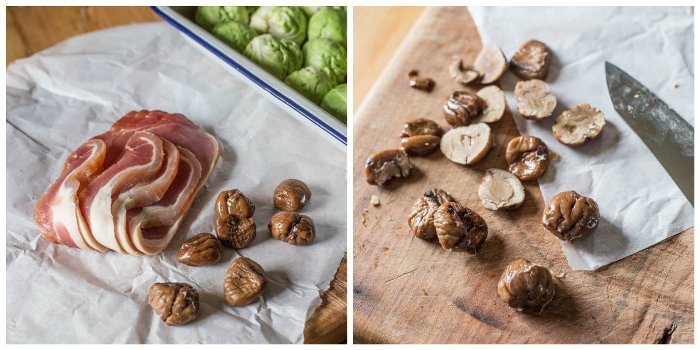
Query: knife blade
[{"x": 667, "y": 135}]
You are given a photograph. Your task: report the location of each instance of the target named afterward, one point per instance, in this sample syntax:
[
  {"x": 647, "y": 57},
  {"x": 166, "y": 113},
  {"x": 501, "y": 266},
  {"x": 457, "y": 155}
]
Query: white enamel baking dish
[{"x": 182, "y": 18}]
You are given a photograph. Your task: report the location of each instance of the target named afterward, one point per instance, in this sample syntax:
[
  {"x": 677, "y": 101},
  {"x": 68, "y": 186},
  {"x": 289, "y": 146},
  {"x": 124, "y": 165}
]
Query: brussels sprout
[
  {"x": 335, "y": 102},
  {"x": 277, "y": 56},
  {"x": 210, "y": 16},
  {"x": 310, "y": 10},
  {"x": 312, "y": 82},
  {"x": 288, "y": 22},
  {"x": 326, "y": 53},
  {"x": 234, "y": 34},
  {"x": 329, "y": 23},
  {"x": 259, "y": 19}
]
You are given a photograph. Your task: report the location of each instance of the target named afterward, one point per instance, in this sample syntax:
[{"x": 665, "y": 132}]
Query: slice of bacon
[
  {"x": 140, "y": 163},
  {"x": 177, "y": 129},
  {"x": 151, "y": 228},
  {"x": 144, "y": 194},
  {"x": 57, "y": 210},
  {"x": 129, "y": 188}
]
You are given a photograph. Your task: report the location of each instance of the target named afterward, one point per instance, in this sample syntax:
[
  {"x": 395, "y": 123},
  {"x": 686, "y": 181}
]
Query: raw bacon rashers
[{"x": 128, "y": 189}]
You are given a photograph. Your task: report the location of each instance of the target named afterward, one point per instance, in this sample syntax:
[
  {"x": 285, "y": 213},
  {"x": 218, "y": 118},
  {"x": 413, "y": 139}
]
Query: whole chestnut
[
  {"x": 244, "y": 282},
  {"x": 293, "y": 228},
  {"x": 526, "y": 286},
  {"x": 571, "y": 216},
  {"x": 234, "y": 232},
  {"x": 459, "y": 228},
  {"x": 201, "y": 249},
  {"x": 462, "y": 107},
  {"x": 175, "y": 303},
  {"x": 291, "y": 195},
  {"x": 233, "y": 202},
  {"x": 235, "y": 226},
  {"x": 422, "y": 215},
  {"x": 528, "y": 157}
]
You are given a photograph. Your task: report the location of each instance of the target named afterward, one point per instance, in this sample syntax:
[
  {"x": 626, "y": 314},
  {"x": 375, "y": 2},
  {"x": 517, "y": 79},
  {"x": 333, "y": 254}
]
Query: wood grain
[
  {"x": 329, "y": 322},
  {"x": 32, "y": 29},
  {"x": 407, "y": 290},
  {"x": 377, "y": 33}
]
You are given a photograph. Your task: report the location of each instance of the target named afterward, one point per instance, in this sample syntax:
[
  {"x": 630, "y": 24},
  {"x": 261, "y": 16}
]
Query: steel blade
[{"x": 667, "y": 135}]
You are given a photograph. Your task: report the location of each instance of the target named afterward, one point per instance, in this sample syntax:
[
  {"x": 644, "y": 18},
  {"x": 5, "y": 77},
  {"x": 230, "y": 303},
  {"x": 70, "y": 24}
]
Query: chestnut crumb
[{"x": 420, "y": 83}]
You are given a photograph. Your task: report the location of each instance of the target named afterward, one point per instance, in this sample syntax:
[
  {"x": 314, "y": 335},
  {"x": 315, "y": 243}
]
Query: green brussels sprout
[
  {"x": 277, "y": 56},
  {"x": 209, "y": 16},
  {"x": 335, "y": 102},
  {"x": 259, "y": 19},
  {"x": 329, "y": 23},
  {"x": 288, "y": 22},
  {"x": 310, "y": 10},
  {"x": 311, "y": 82},
  {"x": 234, "y": 34},
  {"x": 326, "y": 53}
]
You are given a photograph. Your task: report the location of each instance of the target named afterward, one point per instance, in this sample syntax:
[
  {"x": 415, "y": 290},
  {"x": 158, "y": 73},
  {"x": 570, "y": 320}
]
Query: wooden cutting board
[{"x": 407, "y": 290}]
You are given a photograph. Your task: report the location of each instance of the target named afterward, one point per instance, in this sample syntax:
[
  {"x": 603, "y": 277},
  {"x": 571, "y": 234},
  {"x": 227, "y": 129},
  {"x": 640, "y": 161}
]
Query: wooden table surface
[
  {"x": 32, "y": 29},
  {"x": 377, "y": 33},
  {"x": 407, "y": 290}
]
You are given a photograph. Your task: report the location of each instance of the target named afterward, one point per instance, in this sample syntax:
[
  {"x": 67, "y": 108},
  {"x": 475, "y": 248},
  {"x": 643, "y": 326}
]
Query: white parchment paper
[
  {"x": 60, "y": 97},
  {"x": 640, "y": 204}
]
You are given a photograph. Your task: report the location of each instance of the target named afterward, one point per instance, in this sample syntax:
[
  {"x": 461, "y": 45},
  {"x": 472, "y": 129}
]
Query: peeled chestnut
[
  {"x": 385, "y": 165},
  {"x": 571, "y": 216},
  {"x": 234, "y": 232},
  {"x": 291, "y": 195},
  {"x": 462, "y": 107},
  {"x": 459, "y": 228},
  {"x": 528, "y": 157},
  {"x": 421, "y": 126},
  {"x": 175, "y": 303},
  {"x": 531, "y": 60},
  {"x": 420, "y": 137},
  {"x": 201, "y": 249},
  {"x": 421, "y": 218},
  {"x": 293, "y": 228},
  {"x": 235, "y": 226},
  {"x": 244, "y": 282},
  {"x": 526, "y": 286},
  {"x": 233, "y": 202}
]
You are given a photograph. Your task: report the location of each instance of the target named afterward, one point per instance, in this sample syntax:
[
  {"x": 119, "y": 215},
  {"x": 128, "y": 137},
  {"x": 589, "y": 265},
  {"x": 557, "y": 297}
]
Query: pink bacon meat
[
  {"x": 129, "y": 188},
  {"x": 57, "y": 210}
]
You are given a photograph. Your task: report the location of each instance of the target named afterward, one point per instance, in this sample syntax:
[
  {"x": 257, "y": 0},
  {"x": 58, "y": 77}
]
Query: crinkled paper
[
  {"x": 60, "y": 97},
  {"x": 640, "y": 205}
]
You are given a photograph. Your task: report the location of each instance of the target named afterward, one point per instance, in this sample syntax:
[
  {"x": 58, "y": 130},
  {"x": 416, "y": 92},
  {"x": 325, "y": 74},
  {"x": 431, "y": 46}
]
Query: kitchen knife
[{"x": 667, "y": 135}]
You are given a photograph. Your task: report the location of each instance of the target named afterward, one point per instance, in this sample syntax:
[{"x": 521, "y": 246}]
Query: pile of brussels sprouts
[{"x": 303, "y": 46}]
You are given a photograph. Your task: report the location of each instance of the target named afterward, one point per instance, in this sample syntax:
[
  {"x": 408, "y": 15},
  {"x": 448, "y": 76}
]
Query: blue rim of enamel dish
[{"x": 295, "y": 106}]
